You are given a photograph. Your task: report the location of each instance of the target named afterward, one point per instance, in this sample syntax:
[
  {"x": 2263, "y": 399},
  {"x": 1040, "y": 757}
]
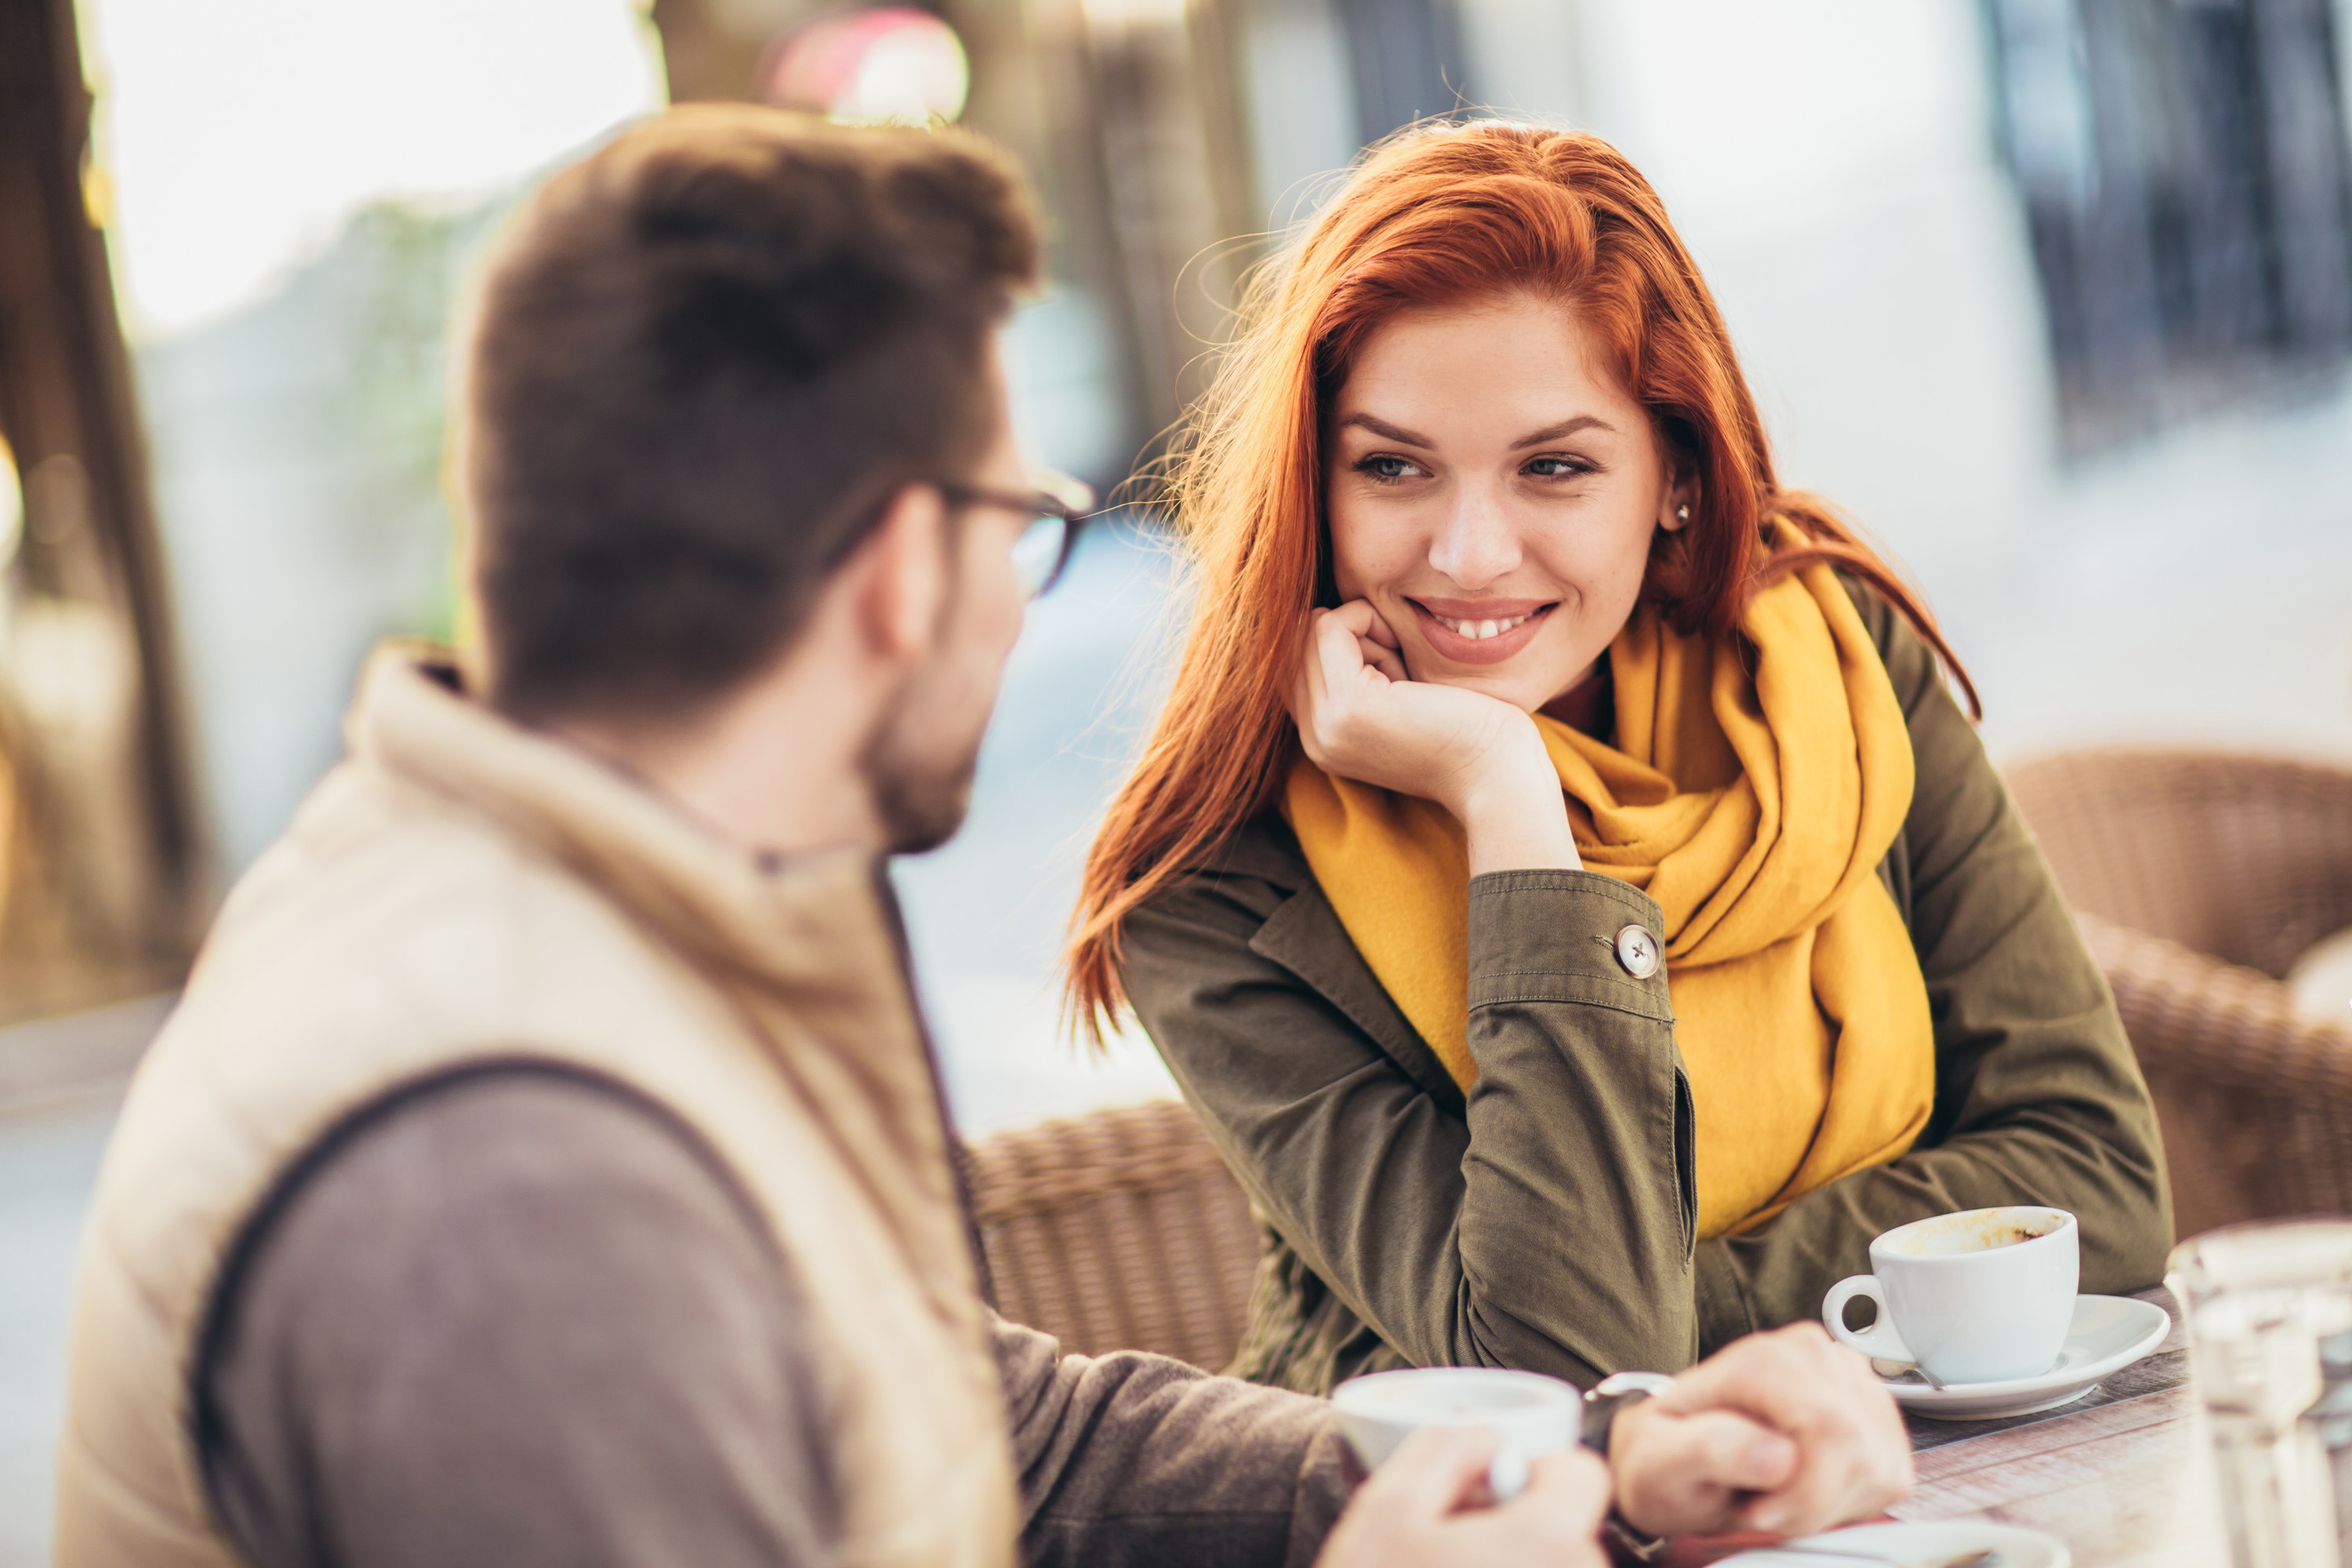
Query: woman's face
[{"x": 1492, "y": 491}]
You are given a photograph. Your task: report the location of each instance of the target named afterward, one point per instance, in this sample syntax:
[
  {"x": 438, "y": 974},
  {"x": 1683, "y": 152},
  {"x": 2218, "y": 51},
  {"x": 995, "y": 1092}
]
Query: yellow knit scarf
[{"x": 1755, "y": 810}]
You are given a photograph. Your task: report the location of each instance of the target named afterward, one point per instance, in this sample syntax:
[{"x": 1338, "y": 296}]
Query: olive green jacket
[{"x": 1546, "y": 1222}]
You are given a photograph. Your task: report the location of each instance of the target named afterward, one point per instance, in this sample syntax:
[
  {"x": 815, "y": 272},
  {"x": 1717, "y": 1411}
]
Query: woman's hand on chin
[{"x": 1361, "y": 717}]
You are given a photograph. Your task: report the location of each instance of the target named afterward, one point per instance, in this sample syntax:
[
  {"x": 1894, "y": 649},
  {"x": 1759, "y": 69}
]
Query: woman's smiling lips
[{"x": 1479, "y": 631}]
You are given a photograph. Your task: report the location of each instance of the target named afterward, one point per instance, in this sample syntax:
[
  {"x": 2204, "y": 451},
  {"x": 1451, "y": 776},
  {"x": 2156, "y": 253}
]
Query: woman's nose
[{"x": 1475, "y": 542}]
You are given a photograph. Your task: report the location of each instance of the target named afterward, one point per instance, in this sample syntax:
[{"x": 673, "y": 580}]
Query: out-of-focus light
[
  {"x": 98, "y": 194},
  {"x": 12, "y": 506},
  {"x": 1115, "y": 16},
  {"x": 895, "y": 66},
  {"x": 234, "y": 137}
]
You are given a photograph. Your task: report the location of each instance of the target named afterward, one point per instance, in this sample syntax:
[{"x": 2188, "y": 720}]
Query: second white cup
[{"x": 1982, "y": 1295}]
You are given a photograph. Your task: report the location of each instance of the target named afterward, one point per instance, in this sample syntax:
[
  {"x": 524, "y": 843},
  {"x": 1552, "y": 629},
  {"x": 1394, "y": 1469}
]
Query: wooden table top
[{"x": 2124, "y": 1476}]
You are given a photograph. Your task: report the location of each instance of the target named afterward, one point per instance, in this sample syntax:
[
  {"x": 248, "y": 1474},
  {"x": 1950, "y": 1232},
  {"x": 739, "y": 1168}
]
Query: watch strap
[{"x": 1604, "y": 1399}]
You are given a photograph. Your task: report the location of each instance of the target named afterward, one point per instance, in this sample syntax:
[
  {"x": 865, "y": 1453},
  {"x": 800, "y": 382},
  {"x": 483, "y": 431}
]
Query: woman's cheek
[{"x": 1361, "y": 573}]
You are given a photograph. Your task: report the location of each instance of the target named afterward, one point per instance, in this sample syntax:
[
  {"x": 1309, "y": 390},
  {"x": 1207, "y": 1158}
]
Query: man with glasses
[{"x": 545, "y": 1163}]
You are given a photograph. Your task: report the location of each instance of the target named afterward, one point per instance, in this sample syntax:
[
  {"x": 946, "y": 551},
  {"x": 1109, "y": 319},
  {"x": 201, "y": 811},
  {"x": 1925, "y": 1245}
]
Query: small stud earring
[{"x": 1682, "y": 514}]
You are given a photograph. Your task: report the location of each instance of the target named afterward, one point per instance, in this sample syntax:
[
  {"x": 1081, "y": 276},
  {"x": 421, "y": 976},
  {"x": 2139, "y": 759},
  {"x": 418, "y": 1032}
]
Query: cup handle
[
  {"x": 1507, "y": 1478},
  {"x": 1879, "y": 1340}
]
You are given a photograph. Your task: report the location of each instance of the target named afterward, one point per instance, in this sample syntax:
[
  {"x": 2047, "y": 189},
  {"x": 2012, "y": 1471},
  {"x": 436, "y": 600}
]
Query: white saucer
[
  {"x": 2109, "y": 1333},
  {"x": 1934, "y": 1542}
]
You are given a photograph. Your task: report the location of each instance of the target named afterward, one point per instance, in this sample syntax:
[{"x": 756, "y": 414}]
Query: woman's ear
[{"x": 1675, "y": 510}]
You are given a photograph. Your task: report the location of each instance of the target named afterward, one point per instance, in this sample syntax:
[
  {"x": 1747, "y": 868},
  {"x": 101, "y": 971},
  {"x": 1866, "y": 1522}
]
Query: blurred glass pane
[
  {"x": 298, "y": 190},
  {"x": 2189, "y": 191}
]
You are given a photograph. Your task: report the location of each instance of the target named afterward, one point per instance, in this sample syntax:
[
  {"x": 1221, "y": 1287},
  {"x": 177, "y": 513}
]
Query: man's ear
[{"x": 904, "y": 564}]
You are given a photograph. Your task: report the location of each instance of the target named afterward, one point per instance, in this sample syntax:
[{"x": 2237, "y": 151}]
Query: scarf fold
[{"x": 1755, "y": 810}]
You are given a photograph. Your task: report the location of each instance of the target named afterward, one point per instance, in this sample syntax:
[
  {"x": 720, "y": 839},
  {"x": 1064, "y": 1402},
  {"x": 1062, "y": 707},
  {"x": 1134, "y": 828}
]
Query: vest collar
[{"x": 806, "y": 921}]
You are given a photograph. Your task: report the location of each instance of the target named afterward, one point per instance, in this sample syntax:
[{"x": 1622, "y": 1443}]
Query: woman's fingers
[
  {"x": 1358, "y": 616},
  {"x": 1360, "y": 717},
  {"x": 1379, "y": 656},
  {"x": 1347, "y": 648},
  {"x": 1311, "y": 690},
  {"x": 1340, "y": 659},
  {"x": 1374, "y": 645}
]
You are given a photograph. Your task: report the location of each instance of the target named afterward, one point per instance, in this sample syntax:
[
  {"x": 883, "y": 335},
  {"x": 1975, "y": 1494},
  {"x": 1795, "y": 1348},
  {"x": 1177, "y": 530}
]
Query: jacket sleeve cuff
[{"x": 1552, "y": 936}]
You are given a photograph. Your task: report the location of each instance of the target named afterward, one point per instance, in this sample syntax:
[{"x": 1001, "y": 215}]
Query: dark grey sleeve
[
  {"x": 519, "y": 1319},
  {"x": 1131, "y": 1460}
]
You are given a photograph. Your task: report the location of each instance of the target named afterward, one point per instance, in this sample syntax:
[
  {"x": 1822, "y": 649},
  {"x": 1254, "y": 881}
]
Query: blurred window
[
  {"x": 98, "y": 852},
  {"x": 2184, "y": 170},
  {"x": 1408, "y": 60},
  {"x": 298, "y": 190}
]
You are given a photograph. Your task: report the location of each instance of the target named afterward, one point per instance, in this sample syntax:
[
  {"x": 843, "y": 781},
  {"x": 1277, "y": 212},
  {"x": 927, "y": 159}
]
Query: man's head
[{"x": 718, "y": 372}]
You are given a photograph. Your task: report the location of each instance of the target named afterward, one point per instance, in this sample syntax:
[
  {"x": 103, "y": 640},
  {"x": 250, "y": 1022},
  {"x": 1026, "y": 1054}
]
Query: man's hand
[
  {"x": 1360, "y": 716},
  {"x": 1428, "y": 1507},
  {"x": 1786, "y": 1431}
]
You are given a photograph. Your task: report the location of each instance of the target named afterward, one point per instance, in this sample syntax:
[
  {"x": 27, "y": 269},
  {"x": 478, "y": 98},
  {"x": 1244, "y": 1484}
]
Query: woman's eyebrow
[
  {"x": 1386, "y": 431},
  {"x": 1565, "y": 427}
]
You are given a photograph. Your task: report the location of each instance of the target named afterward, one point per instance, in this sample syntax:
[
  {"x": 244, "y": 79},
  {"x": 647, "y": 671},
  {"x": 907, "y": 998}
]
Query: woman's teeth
[{"x": 1478, "y": 631}]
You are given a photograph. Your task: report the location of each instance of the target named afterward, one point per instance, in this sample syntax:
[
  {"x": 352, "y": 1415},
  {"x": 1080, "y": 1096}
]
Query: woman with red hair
[{"x": 1561, "y": 878}]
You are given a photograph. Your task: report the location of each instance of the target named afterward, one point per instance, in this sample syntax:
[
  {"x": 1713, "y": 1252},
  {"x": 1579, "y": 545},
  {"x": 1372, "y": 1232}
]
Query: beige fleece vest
[{"x": 461, "y": 889}]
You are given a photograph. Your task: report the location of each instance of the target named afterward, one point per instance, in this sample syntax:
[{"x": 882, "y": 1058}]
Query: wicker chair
[
  {"x": 2198, "y": 878},
  {"x": 1118, "y": 1230}
]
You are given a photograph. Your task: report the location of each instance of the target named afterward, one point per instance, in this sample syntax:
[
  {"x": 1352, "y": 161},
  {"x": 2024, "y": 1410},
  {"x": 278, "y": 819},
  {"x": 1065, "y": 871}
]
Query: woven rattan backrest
[
  {"x": 1118, "y": 1230},
  {"x": 2247, "y": 858}
]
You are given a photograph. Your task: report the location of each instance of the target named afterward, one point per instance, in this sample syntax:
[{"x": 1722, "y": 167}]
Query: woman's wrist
[{"x": 1516, "y": 819}]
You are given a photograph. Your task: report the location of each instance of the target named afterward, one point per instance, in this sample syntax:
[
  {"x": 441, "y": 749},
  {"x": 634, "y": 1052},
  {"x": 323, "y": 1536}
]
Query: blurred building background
[{"x": 2055, "y": 296}]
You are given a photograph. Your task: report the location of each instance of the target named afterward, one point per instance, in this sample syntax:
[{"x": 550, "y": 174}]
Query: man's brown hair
[{"x": 703, "y": 361}]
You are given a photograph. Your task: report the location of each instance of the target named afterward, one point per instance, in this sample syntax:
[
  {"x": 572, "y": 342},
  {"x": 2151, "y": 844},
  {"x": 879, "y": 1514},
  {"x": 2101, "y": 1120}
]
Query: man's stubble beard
[{"x": 921, "y": 791}]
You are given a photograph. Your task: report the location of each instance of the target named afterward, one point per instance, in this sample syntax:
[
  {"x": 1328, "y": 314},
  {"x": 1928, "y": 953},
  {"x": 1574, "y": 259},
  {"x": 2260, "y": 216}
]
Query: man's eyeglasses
[{"x": 1057, "y": 509}]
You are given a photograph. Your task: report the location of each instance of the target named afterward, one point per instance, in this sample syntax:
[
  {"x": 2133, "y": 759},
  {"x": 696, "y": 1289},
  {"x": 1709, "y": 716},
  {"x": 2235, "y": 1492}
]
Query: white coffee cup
[
  {"x": 1533, "y": 1414},
  {"x": 1982, "y": 1295}
]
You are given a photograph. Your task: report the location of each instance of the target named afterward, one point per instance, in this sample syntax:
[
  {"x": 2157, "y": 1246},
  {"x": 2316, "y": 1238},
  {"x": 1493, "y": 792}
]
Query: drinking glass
[{"x": 2268, "y": 1308}]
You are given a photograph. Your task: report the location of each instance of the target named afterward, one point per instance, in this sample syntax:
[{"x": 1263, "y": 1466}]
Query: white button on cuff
[{"x": 1637, "y": 950}]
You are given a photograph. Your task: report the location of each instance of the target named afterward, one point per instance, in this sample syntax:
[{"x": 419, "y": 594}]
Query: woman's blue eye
[
  {"x": 1556, "y": 468},
  {"x": 1384, "y": 467}
]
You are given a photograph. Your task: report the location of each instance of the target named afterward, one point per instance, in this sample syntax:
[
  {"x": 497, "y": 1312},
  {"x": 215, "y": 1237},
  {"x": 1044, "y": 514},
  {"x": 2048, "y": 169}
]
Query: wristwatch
[
  {"x": 1603, "y": 1401},
  {"x": 1609, "y": 1395}
]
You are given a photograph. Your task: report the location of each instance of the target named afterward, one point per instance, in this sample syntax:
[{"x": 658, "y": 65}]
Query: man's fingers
[
  {"x": 1787, "y": 1378},
  {"x": 1851, "y": 1457},
  {"x": 1569, "y": 1491},
  {"x": 1686, "y": 1473},
  {"x": 1729, "y": 1450},
  {"x": 1436, "y": 1471},
  {"x": 1560, "y": 1479}
]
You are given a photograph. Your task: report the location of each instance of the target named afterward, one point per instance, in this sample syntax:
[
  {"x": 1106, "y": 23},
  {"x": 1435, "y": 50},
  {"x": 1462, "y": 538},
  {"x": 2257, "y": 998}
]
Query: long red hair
[{"x": 1439, "y": 214}]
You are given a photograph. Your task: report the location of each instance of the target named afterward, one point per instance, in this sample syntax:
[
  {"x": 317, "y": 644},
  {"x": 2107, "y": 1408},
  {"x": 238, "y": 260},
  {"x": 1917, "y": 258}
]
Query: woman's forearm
[
  {"x": 2038, "y": 1097},
  {"x": 1552, "y": 1230},
  {"x": 2069, "y": 1156},
  {"x": 1579, "y": 1181}
]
